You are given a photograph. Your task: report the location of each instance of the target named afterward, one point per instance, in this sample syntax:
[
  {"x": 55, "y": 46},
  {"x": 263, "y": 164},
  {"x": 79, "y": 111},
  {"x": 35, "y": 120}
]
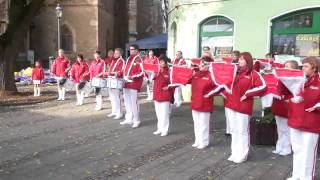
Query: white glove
[{"x": 297, "y": 99}]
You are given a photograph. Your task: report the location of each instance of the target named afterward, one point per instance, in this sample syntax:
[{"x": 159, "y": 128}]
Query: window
[
  {"x": 297, "y": 33},
  {"x": 217, "y": 33},
  {"x": 66, "y": 39}
]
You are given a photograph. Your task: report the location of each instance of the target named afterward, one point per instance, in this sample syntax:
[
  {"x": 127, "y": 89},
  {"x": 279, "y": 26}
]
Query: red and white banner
[
  {"x": 196, "y": 61},
  {"x": 180, "y": 75},
  {"x": 223, "y": 75},
  {"x": 227, "y": 60},
  {"x": 153, "y": 68},
  {"x": 272, "y": 84},
  {"x": 292, "y": 79}
]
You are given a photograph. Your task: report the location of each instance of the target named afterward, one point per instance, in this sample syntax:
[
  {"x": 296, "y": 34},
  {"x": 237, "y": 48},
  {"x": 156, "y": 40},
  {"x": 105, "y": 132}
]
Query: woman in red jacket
[
  {"x": 37, "y": 78},
  {"x": 280, "y": 111},
  {"x": 150, "y": 59},
  {"x": 202, "y": 88},
  {"x": 304, "y": 122},
  {"x": 79, "y": 73},
  {"x": 162, "y": 96},
  {"x": 248, "y": 83}
]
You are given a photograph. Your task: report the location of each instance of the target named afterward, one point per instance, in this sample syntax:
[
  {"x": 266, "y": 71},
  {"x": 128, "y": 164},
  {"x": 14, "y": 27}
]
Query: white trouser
[
  {"x": 115, "y": 99},
  {"x": 240, "y": 135},
  {"x": 150, "y": 90},
  {"x": 163, "y": 113},
  {"x": 304, "y": 146},
  {"x": 98, "y": 102},
  {"x": 201, "y": 127},
  {"x": 36, "y": 90},
  {"x": 79, "y": 94},
  {"x": 61, "y": 89},
  {"x": 178, "y": 96},
  {"x": 227, "y": 112},
  {"x": 131, "y": 104},
  {"x": 283, "y": 143}
]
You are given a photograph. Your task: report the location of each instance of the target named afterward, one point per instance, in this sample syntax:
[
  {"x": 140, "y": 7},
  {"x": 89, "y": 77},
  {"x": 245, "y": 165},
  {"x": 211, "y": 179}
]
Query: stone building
[{"x": 88, "y": 25}]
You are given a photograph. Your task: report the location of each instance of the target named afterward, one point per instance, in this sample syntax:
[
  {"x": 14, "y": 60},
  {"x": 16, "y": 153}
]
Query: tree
[{"x": 20, "y": 14}]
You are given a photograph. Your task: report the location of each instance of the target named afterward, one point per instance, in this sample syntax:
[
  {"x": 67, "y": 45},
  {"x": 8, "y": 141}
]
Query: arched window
[
  {"x": 66, "y": 39},
  {"x": 296, "y": 33},
  {"x": 217, "y": 33}
]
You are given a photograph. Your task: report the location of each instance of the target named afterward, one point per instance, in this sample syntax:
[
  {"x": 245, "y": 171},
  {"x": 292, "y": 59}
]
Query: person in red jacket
[
  {"x": 97, "y": 70},
  {"x": 248, "y": 83},
  {"x": 178, "y": 61},
  {"x": 37, "y": 78},
  {"x": 150, "y": 59},
  {"x": 133, "y": 77},
  {"x": 162, "y": 97},
  {"x": 304, "y": 122},
  {"x": 280, "y": 111},
  {"x": 60, "y": 69},
  {"x": 79, "y": 73},
  {"x": 202, "y": 88},
  {"x": 116, "y": 71}
]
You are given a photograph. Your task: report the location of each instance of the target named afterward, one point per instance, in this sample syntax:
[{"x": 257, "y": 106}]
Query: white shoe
[
  {"x": 98, "y": 108},
  {"x": 238, "y": 161},
  {"x": 231, "y": 158},
  {"x": 195, "y": 145},
  {"x": 124, "y": 122},
  {"x": 135, "y": 125},
  {"x": 111, "y": 115},
  {"x": 284, "y": 153},
  {"x": 156, "y": 132},
  {"x": 201, "y": 146},
  {"x": 292, "y": 178},
  {"x": 164, "y": 134},
  {"x": 117, "y": 117},
  {"x": 276, "y": 152}
]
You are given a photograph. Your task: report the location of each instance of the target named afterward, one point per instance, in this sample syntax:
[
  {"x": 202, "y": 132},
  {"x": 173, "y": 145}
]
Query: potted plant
[{"x": 263, "y": 130}]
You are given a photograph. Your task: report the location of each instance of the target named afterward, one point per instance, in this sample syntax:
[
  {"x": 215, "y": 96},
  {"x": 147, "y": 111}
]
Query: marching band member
[
  {"x": 97, "y": 70},
  {"x": 280, "y": 111},
  {"x": 79, "y": 73},
  {"x": 162, "y": 97},
  {"x": 202, "y": 103},
  {"x": 60, "y": 68},
  {"x": 37, "y": 78},
  {"x": 133, "y": 75},
  {"x": 235, "y": 57},
  {"x": 248, "y": 83},
  {"x": 303, "y": 120},
  {"x": 116, "y": 70},
  {"x": 179, "y": 61},
  {"x": 150, "y": 59}
]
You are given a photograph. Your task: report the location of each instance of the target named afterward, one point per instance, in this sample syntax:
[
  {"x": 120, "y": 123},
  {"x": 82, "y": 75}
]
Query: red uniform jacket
[
  {"x": 249, "y": 83},
  {"x": 108, "y": 61},
  {"x": 179, "y": 62},
  {"x": 280, "y": 106},
  {"x": 202, "y": 84},
  {"x": 79, "y": 71},
  {"x": 134, "y": 70},
  {"x": 59, "y": 67},
  {"x": 97, "y": 68},
  {"x": 299, "y": 118},
  {"x": 151, "y": 60},
  {"x": 117, "y": 66},
  {"x": 37, "y": 73},
  {"x": 160, "y": 81}
]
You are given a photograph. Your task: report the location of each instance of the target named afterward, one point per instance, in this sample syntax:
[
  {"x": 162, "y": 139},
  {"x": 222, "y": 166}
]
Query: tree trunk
[{"x": 11, "y": 41}]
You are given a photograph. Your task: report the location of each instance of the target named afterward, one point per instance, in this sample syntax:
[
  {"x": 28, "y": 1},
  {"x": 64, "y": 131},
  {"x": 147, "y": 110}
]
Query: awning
[{"x": 154, "y": 42}]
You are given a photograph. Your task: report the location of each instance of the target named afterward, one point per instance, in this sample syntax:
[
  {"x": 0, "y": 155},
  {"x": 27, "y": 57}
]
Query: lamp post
[{"x": 59, "y": 16}]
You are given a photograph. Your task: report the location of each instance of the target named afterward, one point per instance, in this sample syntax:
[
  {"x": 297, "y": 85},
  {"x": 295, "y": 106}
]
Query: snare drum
[
  {"x": 115, "y": 83},
  {"x": 99, "y": 82}
]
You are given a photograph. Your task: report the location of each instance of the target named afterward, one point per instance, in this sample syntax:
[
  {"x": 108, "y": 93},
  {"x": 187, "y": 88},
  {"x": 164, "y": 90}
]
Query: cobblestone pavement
[{"x": 62, "y": 141}]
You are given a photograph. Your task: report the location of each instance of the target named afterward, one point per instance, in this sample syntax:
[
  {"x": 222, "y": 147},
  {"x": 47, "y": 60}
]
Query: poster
[{"x": 307, "y": 44}]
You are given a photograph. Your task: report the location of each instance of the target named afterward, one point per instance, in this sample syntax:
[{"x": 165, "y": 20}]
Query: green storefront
[{"x": 290, "y": 27}]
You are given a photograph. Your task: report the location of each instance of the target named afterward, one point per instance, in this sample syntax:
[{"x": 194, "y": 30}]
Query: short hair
[
  {"x": 205, "y": 47},
  {"x": 270, "y": 54},
  {"x": 135, "y": 46},
  {"x": 98, "y": 52},
  {"x": 293, "y": 63},
  {"x": 80, "y": 56},
  {"x": 119, "y": 49},
  {"x": 236, "y": 52},
  {"x": 179, "y": 52},
  {"x": 164, "y": 58},
  {"x": 110, "y": 51},
  {"x": 61, "y": 50},
  {"x": 313, "y": 61}
]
